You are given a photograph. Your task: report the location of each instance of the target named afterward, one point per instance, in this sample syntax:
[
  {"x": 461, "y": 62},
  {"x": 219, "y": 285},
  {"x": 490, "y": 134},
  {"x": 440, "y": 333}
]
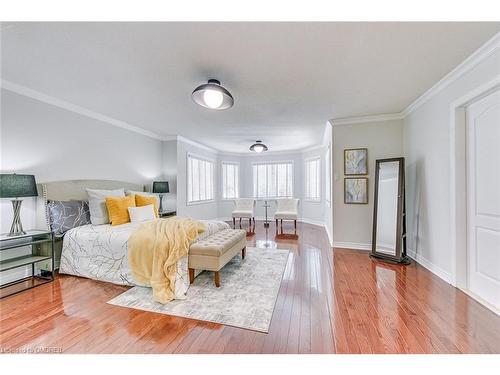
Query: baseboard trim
[
  {"x": 270, "y": 219},
  {"x": 481, "y": 301},
  {"x": 329, "y": 234},
  {"x": 312, "y": 222},
  {"x": 436, "y": 270},
  {"x": 352, "y": 245}
]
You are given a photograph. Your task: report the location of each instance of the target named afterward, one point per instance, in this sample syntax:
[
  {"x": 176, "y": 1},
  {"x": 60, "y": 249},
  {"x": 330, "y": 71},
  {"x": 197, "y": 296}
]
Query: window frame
[
  {"x": 319, "y": 181},
  {"x": 223, "y": 163},
  {"x": 273, "y": 163},
  {"x": 205, "y": 159}
]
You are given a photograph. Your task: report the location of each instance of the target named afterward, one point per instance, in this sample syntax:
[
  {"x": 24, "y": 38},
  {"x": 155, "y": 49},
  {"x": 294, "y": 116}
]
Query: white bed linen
[{"x": 100, "y": 252}]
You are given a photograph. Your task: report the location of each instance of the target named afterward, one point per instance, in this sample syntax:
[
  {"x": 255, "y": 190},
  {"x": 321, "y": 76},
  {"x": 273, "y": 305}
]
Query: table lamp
[
  {"x": 17, "y": 186},
  {"x": 160, "y": 188}
]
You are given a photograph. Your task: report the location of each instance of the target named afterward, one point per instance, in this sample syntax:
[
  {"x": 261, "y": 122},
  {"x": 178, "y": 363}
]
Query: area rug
[{"x": 246, "y": 298}]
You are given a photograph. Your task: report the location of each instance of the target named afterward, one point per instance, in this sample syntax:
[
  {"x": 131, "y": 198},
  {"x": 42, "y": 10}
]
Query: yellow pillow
[
  {"x": 118, "y": 209},
  {"x": 143, "y": 200}
]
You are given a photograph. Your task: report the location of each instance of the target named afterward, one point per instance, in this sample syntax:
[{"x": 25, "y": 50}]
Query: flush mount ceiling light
[
  {"x": 258, "y": 147},
  {"x": 213, "y": 96}
]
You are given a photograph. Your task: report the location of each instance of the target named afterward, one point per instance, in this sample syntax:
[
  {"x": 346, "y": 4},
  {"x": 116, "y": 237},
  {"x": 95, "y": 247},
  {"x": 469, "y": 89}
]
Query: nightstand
[
  {"x": 167, "y": 213},
  {"x": 41, "y": 260}
]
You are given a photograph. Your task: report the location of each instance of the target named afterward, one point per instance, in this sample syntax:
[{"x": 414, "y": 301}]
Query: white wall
[
  {"x": 56, "y": 144},
  {"x": 352, "y": 223},
  {"x": 196, "y": 211},
  {"x": 169, "y": 164},
  {"x": 169, "y": 169},
  {"x": 427, "y": 139},
  {"x": 328, "y": 218}
]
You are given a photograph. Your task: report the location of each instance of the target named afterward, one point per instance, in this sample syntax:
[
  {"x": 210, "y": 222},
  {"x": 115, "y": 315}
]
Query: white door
[{"x": 483, "y": 198}]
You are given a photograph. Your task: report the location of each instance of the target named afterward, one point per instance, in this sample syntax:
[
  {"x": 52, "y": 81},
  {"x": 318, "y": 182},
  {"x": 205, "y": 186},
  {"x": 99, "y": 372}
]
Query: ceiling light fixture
[
  {"x": 212, "y": 95},
  {"x": 258, "y": 147}
]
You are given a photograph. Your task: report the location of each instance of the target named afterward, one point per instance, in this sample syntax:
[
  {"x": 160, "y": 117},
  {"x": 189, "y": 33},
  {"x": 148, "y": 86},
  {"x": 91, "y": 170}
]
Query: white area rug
[{"x": 246, "y": 298}]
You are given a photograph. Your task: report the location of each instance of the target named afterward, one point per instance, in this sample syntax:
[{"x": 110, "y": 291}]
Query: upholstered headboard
[
  {"x": 71, "y": 190},
  {"x": 75, "y": 189}
]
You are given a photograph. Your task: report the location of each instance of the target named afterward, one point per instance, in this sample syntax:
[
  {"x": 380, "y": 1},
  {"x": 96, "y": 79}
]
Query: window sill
[
  {"x": 313, "y": 200},
  {"x": 196, "y": 203}
]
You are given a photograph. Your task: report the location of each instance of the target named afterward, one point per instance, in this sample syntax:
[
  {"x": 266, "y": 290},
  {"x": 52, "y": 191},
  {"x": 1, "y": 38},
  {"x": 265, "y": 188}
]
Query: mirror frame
[{"x": 400, "y": 256}]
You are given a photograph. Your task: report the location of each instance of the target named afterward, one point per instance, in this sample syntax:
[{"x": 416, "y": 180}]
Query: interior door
[{"x": 483, "y": 198}]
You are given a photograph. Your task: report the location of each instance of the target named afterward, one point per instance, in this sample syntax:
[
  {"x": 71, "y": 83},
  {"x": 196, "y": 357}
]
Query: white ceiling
[{"x": 287, "y": 79}]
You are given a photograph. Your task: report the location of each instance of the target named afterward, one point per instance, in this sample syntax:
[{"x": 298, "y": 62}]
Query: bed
[{"x": 99, "y": 252}]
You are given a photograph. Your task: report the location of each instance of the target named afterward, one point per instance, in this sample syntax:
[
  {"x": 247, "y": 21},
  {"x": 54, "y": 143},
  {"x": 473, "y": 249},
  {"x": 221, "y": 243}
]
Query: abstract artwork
[
  {"x": 356, "y": 161},
  {"x": 355, "y": 190}
]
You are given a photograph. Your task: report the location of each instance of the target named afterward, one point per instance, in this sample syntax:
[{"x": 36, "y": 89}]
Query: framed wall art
[
  {"x": 356, "y": 190},
  {"x": 356, "y": 161}
]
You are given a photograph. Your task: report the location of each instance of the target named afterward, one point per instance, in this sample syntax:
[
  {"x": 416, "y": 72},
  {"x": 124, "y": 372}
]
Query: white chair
[
  {"x": 244, "y": 208},
  {"x": 287, "y": 209}
]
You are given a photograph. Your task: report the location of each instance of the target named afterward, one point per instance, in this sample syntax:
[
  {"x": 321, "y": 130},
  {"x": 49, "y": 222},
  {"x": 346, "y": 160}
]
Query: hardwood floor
[{"x": 330, "y": 301}]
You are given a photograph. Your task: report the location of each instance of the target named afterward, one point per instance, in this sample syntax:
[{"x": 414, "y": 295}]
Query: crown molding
[
  {"x": 366, "y": 119},
  {"x": 196, "y": 144},
  {"x": 169, "y": 138},
  {"x": 483, "y": 52},
  {"x": 36, "y": 95}
]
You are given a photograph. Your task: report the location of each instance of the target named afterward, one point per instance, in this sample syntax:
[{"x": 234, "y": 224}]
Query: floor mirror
[{"x": 389, "y": 213}]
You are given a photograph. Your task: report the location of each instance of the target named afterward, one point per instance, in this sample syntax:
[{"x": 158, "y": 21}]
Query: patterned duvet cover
[{"x": 99, "y": 252}]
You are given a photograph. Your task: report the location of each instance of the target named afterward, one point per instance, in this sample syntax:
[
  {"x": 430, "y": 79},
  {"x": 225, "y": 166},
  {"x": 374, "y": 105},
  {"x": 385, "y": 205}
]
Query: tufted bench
[{"x": 215, "y": 251}]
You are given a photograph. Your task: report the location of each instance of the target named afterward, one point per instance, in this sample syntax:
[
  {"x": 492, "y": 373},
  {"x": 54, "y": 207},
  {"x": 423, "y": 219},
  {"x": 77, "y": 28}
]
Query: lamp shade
[
  {"x": 212, "y": 95},
  {"x": 160, "y": 187},
  {"x": 17, "y": 185},
  {"x": 258, "y": 147}
]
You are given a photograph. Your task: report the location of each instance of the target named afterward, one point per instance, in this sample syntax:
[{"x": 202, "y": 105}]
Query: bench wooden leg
[
  {"x": 234, "y": 223},
  {"x": 191, "y": 275},
  {"x": 217, "y": 279},
  {"x": 295, "y": 227},
  {"x": 243, "y": 253},
  {"x": 276, "y": 226}
]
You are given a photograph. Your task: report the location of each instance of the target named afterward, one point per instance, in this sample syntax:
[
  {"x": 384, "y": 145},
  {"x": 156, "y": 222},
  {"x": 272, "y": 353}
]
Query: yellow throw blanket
[{"x": 154, "y": 249}]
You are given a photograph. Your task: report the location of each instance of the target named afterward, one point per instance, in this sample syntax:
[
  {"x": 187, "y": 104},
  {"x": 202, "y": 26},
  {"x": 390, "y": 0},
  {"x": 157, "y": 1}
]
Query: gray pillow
[
  {"x": 97, "y": 204},
  {"x": 64, "y": 216}
]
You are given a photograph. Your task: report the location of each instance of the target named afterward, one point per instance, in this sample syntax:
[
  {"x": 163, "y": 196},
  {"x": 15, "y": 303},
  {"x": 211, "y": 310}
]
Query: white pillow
[
  {"x": 97, "y": 204},
  {"x": 145, "y": 194},
  {"x": 143, "y": 213}
]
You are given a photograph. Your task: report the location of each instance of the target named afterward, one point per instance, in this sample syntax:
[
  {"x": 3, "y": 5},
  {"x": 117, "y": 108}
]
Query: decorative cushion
[
  {"x": 218, "y": 243},
  {"x": 285, "y": 215},
  {"x": 97, "y": 204},
  {"x": 244, "y": 204},
  {"x": 64, "y": 216},
  {"x": 242, "y": 213},
  {"x": 118, "y": 209},
  {"x": 144, "y": 194},
  {"x": 143, "y": 213},
  {"x": 287, "y": 209},
  {"x": 142, "y": 200}
]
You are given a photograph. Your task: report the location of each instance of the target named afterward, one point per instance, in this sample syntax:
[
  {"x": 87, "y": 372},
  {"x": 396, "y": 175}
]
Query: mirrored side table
[{"x": 38, "y": 264}]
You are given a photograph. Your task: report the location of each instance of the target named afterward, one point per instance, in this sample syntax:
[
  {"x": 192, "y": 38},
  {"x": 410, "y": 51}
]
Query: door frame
[{"x": 458, "y": 181}]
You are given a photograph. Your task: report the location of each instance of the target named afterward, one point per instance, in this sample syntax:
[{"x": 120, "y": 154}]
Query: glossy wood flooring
[{"x": 330, "y": 301}]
